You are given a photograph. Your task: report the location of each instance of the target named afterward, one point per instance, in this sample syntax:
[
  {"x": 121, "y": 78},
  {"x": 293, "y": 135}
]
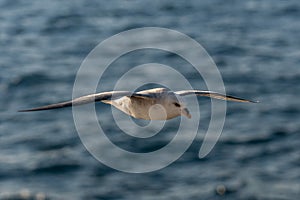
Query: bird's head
[
  {"x": 180, "y": 107},
  {"x": 177, "y": 104}
]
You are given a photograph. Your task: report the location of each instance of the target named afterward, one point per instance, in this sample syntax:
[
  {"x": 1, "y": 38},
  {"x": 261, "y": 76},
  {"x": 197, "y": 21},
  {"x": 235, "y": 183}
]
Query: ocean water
[{"x": 256, "y": 47}]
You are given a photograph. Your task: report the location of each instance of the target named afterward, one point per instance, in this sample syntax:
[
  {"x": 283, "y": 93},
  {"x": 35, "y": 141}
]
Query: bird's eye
[{"x": 177, "y": 104}]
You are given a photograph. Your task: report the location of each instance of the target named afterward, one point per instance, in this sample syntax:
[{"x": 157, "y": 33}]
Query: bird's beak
[{"x": 186, "y": 113}]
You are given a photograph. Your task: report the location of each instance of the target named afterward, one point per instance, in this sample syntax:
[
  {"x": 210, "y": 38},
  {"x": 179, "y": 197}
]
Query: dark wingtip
[
  {"x": 253, "y": 101},
  {"x": 31, "y": 110},
  {"x": 237, "y": 99},
  {"x": 249, "y": 101},
  {"x": 49, "y": 107},
  {"x": 28, "y": 110},
  {"x": 22, "y": 110}
]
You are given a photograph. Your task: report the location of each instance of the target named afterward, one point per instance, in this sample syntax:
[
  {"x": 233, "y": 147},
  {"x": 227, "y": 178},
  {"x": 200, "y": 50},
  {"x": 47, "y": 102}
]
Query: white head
[{"x": 176, "y": 106}]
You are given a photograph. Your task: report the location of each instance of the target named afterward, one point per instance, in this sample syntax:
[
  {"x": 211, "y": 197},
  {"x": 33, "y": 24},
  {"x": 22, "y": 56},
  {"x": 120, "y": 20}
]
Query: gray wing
[
  {"x": 213, "y": 95},
  {"x": 104, "y": 96}
]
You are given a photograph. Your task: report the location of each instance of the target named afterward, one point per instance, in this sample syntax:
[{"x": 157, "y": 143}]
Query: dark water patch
[
  {"x": 101, "y": 170},
  {"x": 108, "y": 196},
  {"x": 289, "y": 9},
  {"x": 220, "y": 61},
  {"x": 289, "y": 80},
  {"x": 228, "y": 189},
  {"x": 239, "y": 110},
  {"x": 274, "y": 135},
  {"x": 141, "y": 145},
  {"x": 231, "y": 50},
  {"x": 243, "y": 79},
  {"x": 287, "y": 111},
  {"x": 266, "y": 153},
  {"x": 264, "y": 57},
  {"x": 177, "y": 7},
  {"x": 147, "y": 147},
  {"x": 36, "y": 79},
  {"x": 24, "y": 195},
  {"x": 247, "y": 141},
  {"x": 56, "y": 168},
  {"x": 47, "y": 146},
  {"x": 280, "y": 132},
  {"x": 10, "y": 171},
  {"x": 63, "y": 24},
  {"x": 30, "y": 80},
  {"x": 191, "y": 155}
]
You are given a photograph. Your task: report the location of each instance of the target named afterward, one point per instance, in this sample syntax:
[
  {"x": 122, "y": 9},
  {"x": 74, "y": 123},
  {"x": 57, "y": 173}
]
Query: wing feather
[
  {"x": 213, "y": 95},
  {"x": 83, "y": 100}
]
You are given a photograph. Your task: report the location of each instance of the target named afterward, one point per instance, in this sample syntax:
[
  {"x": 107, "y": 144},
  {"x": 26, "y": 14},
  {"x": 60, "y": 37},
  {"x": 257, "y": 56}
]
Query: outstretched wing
[
  {"x": 213, "y": 95},
  {"x": 104, "y": 96}
]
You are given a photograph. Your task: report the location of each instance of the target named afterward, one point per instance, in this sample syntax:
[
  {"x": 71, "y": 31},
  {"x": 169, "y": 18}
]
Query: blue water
[{"x": 256, "y": 47}]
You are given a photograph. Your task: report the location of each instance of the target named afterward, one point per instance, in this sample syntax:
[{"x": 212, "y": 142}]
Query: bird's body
[
  {"x": 158, "y": 104},
  {"x": 152, "y": 104}
]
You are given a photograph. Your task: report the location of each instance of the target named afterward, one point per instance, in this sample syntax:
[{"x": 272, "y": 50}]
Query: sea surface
[{"x": 254, "y": 43}]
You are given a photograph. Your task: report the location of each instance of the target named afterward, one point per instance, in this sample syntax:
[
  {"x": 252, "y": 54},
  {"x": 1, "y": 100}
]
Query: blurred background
[{"x": 256, "y": 46}]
